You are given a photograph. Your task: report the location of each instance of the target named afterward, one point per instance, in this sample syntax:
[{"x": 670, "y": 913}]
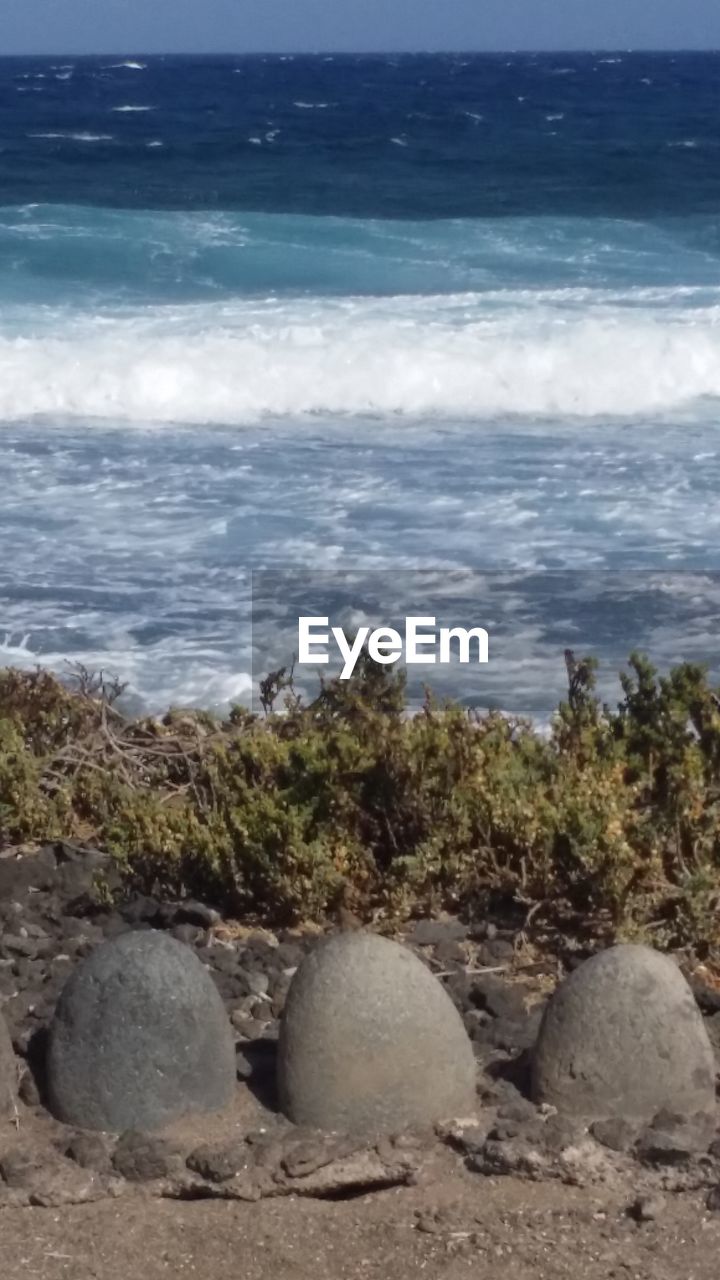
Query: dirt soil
[{"x": 454, "y": 1225}]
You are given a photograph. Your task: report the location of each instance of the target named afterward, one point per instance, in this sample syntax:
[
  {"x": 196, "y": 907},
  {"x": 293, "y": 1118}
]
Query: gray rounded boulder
[
  {"x": 139, "y": 1038},
  {"x": 370, "y": 1042},
  {"x": 623, "y": 1037},
  {"x": 8, "y": 1070}
]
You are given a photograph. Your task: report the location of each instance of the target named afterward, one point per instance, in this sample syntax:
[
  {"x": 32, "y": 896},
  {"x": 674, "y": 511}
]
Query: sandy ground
[{"x": 454, "y": 1225}]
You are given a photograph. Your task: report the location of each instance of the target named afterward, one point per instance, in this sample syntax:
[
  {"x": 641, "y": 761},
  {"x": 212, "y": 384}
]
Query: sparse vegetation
[{"x": 614, "y": 817}]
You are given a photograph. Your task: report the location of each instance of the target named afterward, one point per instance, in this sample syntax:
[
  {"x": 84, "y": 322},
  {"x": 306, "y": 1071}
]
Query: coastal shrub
[{"x": 346, "y": 799}]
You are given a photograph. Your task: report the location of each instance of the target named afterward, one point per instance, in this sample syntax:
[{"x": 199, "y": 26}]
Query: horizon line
[{"x": 364, "y": 53}]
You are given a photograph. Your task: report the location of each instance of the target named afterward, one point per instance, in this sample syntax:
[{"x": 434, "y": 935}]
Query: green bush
[{"x": 615, "y": 816}]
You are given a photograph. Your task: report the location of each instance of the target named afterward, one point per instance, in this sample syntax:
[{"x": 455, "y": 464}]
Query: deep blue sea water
[{"x": 351, "y": 312}]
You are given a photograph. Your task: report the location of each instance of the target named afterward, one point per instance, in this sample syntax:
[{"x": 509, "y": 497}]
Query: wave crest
[{"x": 449, "y": 357}]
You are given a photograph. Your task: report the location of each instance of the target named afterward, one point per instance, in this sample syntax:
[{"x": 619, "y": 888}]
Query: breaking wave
[
  {"x": 224, "y": 317},
  {"x": 442, "y": 356}
]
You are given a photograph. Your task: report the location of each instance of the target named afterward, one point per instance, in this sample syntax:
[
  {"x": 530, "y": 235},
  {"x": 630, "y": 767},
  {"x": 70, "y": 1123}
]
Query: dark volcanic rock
[
  {"x": 672, "y": 1139},
  {"x": 139, "y": 1038},
  {"x": 518, "y": 1110},
  {"x": 141, "y": 910},
  {"x": 429, "y": 933},
  {"x": 8, "y": 1071},
  {"x": 220, "y": 1163},
  {"x": 615, "y": 1134},
  {"x": 647, "y": 1208},
  {"x": 370, "y": 1041},
  {"x": 196, "y": 913},
  {"x": 33, "y": 871},
  {"x": 78, "y": 870},
  {"x": 46, "y": 1179},
  {"x": 288, "y": 955},
  {"x": 623, "y": 1037},
  {"x": 28, "y": 1090},
  {"x": 18, "y": 1167},
  {"x": 141, "y": 1158},
  {"x": 512, "y": 1037},
  {"x": 189, "y": 934},
  {"x": 499, "y": 951},
  {"x": 707, "y": 997},
  {"x": 90, "y": 1151},
  {"x": 560, "y": 1132},
  {"x": 713, "y": 1200},
  {"x": 498, "y": 998}
]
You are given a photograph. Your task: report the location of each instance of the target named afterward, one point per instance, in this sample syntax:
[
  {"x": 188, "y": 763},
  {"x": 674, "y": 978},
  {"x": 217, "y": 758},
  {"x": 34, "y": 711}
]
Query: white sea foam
[
  {"x": 75, "y": 137},
  {"x": 311, "y": 106},
  {"x": 129, "y": 66},
  {"x": 169, "y": 674},
  {"x": 454, "y": 357},
  {"x": 131, "y": 107}
]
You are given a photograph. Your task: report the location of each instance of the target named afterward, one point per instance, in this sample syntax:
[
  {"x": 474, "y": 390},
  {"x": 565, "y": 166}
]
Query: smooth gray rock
[
  {"x": 370, "y": 1042},
  {"x": 623, "y": 1037},
  {"x": 140, "y": 1037},
  {"x": 8, "y": 1071}
]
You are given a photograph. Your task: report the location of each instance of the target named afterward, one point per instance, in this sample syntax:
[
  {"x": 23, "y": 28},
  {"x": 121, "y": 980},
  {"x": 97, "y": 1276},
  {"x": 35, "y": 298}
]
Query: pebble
[
  {"x": 647, "y": 1208},
  {"x": 139, "y": 1157},
  {"x": 713, "y": 1200},
  {"x": 219, "y": 1163},
  {"x": 615, "y": 1134},
  {"x": 432, "y": 933},
  {"x": 90, "y": 1151}
]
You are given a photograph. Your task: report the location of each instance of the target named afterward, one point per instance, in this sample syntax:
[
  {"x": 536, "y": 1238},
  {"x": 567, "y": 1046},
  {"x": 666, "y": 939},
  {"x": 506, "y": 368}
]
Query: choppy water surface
[{"x": 447, "y": 312}]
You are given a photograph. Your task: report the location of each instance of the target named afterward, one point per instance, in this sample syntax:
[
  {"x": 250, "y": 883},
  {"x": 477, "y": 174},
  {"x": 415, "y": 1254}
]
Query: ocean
[{"x": 388, "y": 314}]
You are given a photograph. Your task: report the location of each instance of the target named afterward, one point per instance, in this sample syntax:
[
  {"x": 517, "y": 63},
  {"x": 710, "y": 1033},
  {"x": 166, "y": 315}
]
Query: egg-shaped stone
[
  {"x": 139, "y": 1038},
  {"x": 370, "y": 1042},
  {"x": 623, "y": 1036}
]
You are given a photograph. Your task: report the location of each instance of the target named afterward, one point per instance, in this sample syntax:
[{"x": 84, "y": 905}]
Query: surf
[{"x": 438, "y": 357}]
